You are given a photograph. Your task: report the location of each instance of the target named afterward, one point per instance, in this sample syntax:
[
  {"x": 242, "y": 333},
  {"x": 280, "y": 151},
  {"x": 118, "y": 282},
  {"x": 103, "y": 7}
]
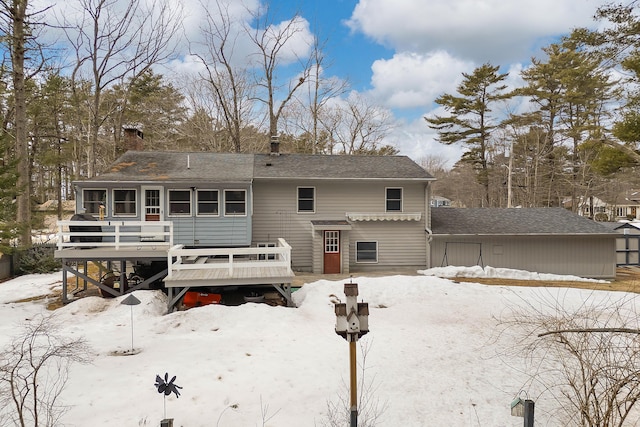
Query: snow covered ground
[{"x": 431, "y": 357}]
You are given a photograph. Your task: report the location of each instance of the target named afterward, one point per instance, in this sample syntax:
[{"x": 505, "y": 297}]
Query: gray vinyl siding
[
  {"x": 584, "y": 256},
  {"x": 401, "y": 243},
  {"x": 215, "y": 231},
  {"x": 204, "y": 231}
]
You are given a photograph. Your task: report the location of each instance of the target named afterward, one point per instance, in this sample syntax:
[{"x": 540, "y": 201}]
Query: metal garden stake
[
  {"x": 131, "y": 300},
  {"x": 167, "y": 387}
]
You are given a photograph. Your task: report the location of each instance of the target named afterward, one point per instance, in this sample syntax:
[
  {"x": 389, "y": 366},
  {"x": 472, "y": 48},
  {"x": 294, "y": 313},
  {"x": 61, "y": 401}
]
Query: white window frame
[
  {"x": 217, "y": 214},
  {"x": 226, "y": 213},
  {"x": 331, "y": 241},
  {"x": 103, "y": 202},
  {"x": 169, "y": 202},
  {"x": 313, "y": 200},
  {"x": 367, "y": 261},
  {"x": 114, "y": 202},
  {"x": 387, "y": 199}
]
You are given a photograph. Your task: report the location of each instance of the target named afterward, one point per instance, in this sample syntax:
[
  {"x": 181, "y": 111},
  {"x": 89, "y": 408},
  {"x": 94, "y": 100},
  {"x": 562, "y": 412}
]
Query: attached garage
[{"x": 544, "y": 240}]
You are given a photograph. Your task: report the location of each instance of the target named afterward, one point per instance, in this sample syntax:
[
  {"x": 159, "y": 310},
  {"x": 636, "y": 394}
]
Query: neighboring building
[
  {"x": 624, "y": 207},
  {"x": 545, "y": 240},
  {"x": 439, "y": 202}
]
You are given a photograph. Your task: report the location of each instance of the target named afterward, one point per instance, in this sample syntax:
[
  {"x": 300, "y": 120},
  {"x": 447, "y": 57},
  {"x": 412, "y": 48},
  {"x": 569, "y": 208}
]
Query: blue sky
[
  {"x": 351, "y": 53},
  {"x": 402, "y": 54},
  {"x": 405, "y": 53}
]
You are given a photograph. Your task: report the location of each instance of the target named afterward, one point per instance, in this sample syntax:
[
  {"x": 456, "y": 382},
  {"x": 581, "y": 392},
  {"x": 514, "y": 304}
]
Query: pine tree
[
  {"x": 470, "y": 120},
  {"x": 8, "y": 192}
]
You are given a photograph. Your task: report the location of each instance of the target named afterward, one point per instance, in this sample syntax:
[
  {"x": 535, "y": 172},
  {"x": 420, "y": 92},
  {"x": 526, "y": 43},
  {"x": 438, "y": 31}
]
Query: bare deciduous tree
[
  {"x": 33, "y": 372},
  {"x": 586, "y": 359},
  {"x": 226, "y": 78},
  {"x": 272, "y": 41},
  {"x": 363, "y": 127},
  {"x": 304, "y": 114},
  {"x": 370, "y": 408},
  {"x": 116, "y": 42}
]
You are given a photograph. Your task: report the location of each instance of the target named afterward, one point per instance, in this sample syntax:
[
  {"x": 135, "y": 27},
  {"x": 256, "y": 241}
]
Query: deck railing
[
  {"x": 226, "y": 258},
  {"x": 113, "y": 233}
]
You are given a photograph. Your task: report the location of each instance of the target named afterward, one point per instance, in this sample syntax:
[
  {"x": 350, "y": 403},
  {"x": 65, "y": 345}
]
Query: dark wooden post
[{"x": 529, "y": 407}]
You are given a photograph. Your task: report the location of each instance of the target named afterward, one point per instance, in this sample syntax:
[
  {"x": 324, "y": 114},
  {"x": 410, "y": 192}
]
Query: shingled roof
[
  {"x": 166, "y": 166},
  {"x": 337, "y": 167},
  {"x": 512, "y": 221}
]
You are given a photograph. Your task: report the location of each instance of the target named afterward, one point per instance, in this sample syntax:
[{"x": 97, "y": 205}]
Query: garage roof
[{"x": 512, "y": 221}]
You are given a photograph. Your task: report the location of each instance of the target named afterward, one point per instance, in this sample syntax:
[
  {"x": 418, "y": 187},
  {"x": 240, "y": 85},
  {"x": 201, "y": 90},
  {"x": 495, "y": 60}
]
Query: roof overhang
[
  {"x": 330, "y": 225},
  {"x": 184, "y": 182}
]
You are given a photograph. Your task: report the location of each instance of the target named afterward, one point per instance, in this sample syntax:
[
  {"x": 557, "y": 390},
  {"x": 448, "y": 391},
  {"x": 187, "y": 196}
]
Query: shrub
[{"x": 37, "y": 259}]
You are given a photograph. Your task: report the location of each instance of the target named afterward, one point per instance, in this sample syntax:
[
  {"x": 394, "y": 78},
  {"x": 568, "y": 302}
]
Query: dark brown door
[{"x": 331, "y": 252}]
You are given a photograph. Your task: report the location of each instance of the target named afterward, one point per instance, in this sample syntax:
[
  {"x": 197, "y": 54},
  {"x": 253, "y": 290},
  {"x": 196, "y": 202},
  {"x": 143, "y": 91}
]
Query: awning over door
[
  {"x": 330, "y": 225},
  {"x": 384, "y": 216}
]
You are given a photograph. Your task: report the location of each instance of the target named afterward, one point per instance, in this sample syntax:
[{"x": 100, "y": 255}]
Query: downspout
[
  {"x": 194, "y": 207},
  {"x": 427, "y": 223}
]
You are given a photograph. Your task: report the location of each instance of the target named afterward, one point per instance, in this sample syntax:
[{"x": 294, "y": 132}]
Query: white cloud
[
  {"x": 416, "y": 140},
  {"x": 485, "y": 31},
  {"x": 410, "y": 80}
]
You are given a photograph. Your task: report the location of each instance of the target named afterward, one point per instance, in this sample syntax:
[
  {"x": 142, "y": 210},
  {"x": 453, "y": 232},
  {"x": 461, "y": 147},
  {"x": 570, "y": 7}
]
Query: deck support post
[{"x": 285, "y": 290}]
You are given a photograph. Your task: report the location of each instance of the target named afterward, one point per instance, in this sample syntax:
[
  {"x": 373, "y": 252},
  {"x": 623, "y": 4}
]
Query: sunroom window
[
  {"x": 180, "y": 202},
  {"x": 93, "y": 199},
  {"x": 235, "y": 202},
  {"x": 207, "y": 202},
  {"x": 124, "y": 202}
]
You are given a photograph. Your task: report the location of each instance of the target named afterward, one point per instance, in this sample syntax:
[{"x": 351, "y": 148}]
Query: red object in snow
[{"x": 197, "y": 299}]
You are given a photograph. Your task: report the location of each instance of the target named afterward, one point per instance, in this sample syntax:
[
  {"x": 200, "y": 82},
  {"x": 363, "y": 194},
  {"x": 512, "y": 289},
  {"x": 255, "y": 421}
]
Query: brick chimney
[
  {"x": 275, "y": 145},
  {"x": 133, "y": 139}
]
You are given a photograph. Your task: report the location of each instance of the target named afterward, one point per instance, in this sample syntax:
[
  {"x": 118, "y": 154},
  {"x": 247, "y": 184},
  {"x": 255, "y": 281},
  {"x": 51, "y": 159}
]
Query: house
[
  {"x": 213, "y": 220},
  {"x": 545, "y": 240},
  {"x": 339, "y": 213},
  {"x": 625, "y": 206},
  {"x": 336, "y": 214},
  {"x": 439, "y": 201}
]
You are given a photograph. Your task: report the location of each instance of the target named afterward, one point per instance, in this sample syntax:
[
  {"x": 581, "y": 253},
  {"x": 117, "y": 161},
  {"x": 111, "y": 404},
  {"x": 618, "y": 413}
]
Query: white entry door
[{"x": 152, "y": 211}]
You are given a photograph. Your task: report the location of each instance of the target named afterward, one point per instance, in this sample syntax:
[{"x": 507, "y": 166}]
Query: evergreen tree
[
  {"x": 470, "y": 120},
  {"x": 8, "y": 192}
]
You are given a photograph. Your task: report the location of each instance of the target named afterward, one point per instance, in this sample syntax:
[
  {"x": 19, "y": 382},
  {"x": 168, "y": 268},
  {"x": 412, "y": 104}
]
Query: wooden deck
[
  {"x": 103, "y": 252},
  {"x": 127, "y": 242},
  {"x": 241, "y": 275},
  {"x": 194, "y": 268},
  {"x": 229, "y": 266}
]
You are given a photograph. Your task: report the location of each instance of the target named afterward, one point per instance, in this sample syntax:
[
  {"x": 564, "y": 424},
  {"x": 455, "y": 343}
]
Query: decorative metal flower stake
[{"x": 167, "y": 387}]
